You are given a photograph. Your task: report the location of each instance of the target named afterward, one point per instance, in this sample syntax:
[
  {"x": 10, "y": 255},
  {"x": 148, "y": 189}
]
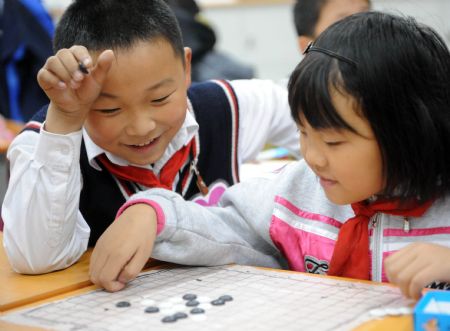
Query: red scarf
[
  {"x": 351, "y": 252},
  {"x": 147, "y": 177}
]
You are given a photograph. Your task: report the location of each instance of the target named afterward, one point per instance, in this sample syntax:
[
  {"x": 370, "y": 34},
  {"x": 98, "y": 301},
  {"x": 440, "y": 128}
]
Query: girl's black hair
[
  {"x": 117, "y": 24},
  {"x": 401, "y": 83}
]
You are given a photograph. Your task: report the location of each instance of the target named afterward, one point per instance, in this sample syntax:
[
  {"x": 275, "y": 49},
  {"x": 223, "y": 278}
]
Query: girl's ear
[
  {"x": 303, "y": 42},
  {"x": 187, "y": 65}
]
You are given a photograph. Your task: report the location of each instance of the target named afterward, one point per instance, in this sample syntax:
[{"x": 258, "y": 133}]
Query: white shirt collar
[{"x": 183, "y": 136}]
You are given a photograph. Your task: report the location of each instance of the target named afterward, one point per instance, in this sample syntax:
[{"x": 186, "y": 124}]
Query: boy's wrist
[{"x": 60, "y": 122}]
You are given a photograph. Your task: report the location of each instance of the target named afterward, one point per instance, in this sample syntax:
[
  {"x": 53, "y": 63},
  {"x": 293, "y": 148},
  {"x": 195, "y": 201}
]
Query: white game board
[{"x": 261, "y": 300}]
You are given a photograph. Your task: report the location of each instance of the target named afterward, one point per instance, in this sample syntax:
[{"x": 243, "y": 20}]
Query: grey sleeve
[{"x": 236, "y": 231}]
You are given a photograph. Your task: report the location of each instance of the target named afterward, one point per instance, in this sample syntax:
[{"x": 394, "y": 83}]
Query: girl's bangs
[{"x": 310, "y": 92}]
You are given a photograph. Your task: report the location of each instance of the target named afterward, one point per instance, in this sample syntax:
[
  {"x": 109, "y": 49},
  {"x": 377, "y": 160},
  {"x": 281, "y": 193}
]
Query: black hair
[
  {"x": 117, "y": 24},
  {"x": 401, "y": 84},
  {"x": 306, "y": 15}
]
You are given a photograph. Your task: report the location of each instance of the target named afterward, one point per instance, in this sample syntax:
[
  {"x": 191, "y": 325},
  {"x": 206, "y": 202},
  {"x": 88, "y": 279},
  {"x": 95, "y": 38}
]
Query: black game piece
[
  {"x": 123, "y": 304},
  {"x": 82, "y": 68},
  {"x": 226, "y": 297},
  {"x": 192, "y": 303},
  {"x": 197, "y": 310},
  {"x": 151, "y": 309},
  {"x": 189, "y": 297},
  {"x": 180, "y": 315},
  {"x": 169, "y": 319},
  {"x": 218, "y": 302}
]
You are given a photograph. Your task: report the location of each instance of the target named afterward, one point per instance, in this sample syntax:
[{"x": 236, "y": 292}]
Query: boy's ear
[
  {"x": 187, "y": 65},
  {"x": 303, "y": 42}
]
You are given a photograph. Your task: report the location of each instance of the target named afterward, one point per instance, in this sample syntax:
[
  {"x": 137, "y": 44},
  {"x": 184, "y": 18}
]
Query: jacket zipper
[{"x": 377, "y": 251}]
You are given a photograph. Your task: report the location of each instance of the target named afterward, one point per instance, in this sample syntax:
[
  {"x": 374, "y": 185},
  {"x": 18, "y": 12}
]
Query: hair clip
[{"x": 312, "y": 48}]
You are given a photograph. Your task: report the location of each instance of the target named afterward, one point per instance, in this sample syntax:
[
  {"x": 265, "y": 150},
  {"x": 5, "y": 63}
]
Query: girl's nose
[{"x": 314, "y": 156}]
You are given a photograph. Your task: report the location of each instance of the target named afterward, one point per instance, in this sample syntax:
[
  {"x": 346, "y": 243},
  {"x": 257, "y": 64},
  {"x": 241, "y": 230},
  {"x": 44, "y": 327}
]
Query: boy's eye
[
  {"x": 108, "y": 111},
  {"x": 161, "y": 99}
]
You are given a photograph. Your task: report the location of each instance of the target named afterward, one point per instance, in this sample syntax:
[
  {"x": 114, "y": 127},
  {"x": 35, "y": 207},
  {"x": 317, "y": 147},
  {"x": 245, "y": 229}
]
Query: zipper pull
[
  {"x": 200, "y": 183},
  {"x": 374, "y": 222},
  {"x": 406, "y": 226}
]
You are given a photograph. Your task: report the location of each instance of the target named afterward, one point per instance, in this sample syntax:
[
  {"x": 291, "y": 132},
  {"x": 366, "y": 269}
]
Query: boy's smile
[{"x": 143, "y": 102}]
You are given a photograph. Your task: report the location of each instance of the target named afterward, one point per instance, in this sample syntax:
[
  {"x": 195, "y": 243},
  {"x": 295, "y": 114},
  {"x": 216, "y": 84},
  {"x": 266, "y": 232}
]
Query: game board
[{"x": 255, "y": 299}]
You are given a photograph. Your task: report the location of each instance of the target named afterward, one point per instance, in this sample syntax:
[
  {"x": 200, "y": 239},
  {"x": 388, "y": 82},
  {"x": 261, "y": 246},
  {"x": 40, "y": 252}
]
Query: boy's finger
[
  {"x": 48, "y": 80},
  {"x": 104, "y": 62},
  {"x": 57, "y": 68},
  {"x": 71, "y": 64},
  {"x": 82, "y": 56}
]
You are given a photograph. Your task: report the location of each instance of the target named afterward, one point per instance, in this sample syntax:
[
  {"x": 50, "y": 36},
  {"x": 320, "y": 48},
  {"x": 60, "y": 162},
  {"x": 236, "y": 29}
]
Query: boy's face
[
  {"x": 349, "y": 165},
  {"x": 143, "y": 102},
  {"x": 331, "y": 12},
  {"x": 334, "y": 10}
]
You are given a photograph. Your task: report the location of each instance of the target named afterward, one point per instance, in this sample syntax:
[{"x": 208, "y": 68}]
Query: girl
[{"x": 369, "y": 200}]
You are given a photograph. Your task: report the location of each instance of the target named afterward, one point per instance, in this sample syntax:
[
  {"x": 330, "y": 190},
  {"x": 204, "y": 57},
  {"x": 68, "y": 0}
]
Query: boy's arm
[
  {"x": 44, "y": 230},
  {"x": 265, "y": 118}
]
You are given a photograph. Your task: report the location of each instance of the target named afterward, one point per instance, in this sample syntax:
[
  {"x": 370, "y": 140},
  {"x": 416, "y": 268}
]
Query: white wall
[{"x": 264, "y": 35}]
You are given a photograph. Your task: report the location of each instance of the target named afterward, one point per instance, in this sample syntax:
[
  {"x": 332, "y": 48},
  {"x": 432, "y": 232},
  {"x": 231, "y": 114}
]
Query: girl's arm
[
  {"x": 417, "y": 265},
  {"x": 237, "y": 231},
  {"x": 43, "y": 228}
]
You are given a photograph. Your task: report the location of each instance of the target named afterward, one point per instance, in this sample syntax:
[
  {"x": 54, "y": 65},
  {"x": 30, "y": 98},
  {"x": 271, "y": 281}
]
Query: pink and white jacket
[{"x": 283, "y": 221}]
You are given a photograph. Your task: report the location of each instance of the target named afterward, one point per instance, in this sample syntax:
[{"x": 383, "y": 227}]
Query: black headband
[{"x": 312, "y": 48}]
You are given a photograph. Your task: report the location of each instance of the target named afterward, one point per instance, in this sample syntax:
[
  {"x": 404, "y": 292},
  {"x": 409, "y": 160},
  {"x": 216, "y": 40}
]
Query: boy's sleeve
[
  {"x": 237, "y": 231},
  {"x": 265, "y": 118},
  {"x": 43, "y": 228}
]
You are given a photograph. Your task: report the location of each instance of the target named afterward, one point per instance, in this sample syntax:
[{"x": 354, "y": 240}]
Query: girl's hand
[
  {"x": 72, "y": 92},
  {"x": 123, "y": 249},
  {"x": 417, "y": 265}
]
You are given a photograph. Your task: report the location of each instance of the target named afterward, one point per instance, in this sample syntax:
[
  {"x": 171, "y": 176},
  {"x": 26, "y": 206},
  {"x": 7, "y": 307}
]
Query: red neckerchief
[
  {"x": 147, "y": 177},
  {"x": 351, "y": 252}
]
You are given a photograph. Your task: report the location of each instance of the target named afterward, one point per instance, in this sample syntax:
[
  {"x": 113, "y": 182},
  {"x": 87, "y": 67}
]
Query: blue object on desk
[
  {"x": 273, "y": 153},
  {"x": 432, "y": 312}
]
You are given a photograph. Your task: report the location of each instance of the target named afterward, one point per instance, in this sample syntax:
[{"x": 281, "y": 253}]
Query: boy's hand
[
  {"x": 123, "y": 249},
  {"x": 417, "y": 265},
  {"x": 70, "y": 91}
]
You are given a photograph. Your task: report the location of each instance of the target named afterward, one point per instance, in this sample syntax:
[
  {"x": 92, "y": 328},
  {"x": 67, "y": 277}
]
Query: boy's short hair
[
  {"x": 117, "y": 24},
  {"x": 401, "y": 83},
  {"x": 307, "y": 14}
]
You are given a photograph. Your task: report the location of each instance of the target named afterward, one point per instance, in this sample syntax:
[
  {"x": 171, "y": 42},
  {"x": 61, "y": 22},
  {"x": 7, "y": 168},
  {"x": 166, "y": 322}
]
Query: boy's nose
[{"x": 140, "y": 126}]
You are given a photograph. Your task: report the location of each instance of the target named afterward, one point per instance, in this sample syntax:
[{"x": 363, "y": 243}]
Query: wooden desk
[{"x": 20, "y": 291}]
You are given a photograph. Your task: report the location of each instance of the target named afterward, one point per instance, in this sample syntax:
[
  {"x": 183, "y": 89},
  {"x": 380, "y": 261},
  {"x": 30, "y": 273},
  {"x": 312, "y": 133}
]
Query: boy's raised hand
[
  {"x": 71, "y": 92},
  {"x": 417, "y": 265},
  {"x": 124, "y": 248}
]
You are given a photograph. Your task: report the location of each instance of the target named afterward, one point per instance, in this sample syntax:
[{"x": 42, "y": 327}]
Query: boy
[
  {"x": 120, "y": 121},
  {"x": 311, "y": 17}
]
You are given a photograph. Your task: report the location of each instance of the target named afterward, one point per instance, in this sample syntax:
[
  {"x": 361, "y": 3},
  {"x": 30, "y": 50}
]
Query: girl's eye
[{"x": 333, "y": 143}]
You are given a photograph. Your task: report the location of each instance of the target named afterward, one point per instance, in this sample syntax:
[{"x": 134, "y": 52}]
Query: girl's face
[{"x": 348, "y": 164}]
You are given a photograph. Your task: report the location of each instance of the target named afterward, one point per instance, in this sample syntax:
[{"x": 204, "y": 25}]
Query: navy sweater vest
[{"x": 215, "y": 108}]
